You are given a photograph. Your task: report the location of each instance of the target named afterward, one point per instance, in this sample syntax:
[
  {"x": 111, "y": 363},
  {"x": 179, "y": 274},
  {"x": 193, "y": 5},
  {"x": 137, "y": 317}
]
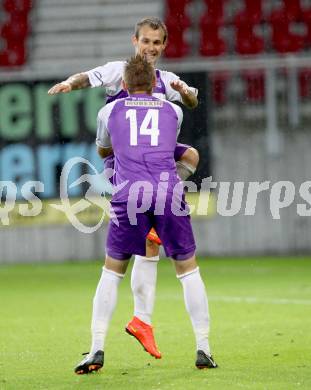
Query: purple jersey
[{"x": 142, "y": 131}]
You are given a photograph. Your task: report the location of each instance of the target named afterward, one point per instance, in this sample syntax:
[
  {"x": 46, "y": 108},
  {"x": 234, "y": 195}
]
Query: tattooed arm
[
  {"x": 76, "y": 81},
  {"x": 189, "y": 98}
]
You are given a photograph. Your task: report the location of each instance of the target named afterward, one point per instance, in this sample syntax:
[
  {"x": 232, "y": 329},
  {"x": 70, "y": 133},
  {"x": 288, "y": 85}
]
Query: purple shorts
[
  {"x": 179, "y": 151},
  {"x": 175, "y": 231}
]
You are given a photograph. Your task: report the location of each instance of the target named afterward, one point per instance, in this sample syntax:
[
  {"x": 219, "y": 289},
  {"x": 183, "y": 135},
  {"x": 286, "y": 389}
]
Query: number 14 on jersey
[{"x": 149, "y": 126}]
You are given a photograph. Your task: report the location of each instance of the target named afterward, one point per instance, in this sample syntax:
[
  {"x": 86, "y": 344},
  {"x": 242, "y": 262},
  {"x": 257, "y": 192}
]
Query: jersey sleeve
[
  {"x": 106, "y": 75},
  {"x": 171, "y": 94},
  {"x": 103, "y": 136}
]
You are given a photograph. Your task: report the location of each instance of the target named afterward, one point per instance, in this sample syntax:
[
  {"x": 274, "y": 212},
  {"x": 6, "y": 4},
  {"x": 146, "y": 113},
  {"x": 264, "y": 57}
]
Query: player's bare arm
[
  {"x": 189, "y": 98},
  {"x": 104, "y": 152},
  {"x": 76, "y": 81}
]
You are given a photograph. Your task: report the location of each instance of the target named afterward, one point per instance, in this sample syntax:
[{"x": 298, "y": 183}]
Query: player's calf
[{"x": 188, "y": 162}]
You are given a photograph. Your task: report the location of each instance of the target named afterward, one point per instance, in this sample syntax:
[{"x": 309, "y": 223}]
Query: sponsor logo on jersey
[{"x": 143, "y": 103}]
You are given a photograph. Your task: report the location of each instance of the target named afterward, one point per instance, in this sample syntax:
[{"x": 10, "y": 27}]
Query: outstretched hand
[
  {"x": 62, "y": 87},
  {"x": 180, "y": 87}
]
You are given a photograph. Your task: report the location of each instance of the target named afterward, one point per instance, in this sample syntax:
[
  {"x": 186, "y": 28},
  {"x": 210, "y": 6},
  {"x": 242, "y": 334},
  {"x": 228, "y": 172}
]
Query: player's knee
[
  {"x": 185, "y": 265},
  {"x": 191, "y": 157}
]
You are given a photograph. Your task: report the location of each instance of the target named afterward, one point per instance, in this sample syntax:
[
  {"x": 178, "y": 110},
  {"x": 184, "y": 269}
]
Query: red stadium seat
[
  {"x": 219, "y": 87},
  {"x": 177, "y": 21},
  {"x": 14, "y": 55},
  {"x": 14, "y": 33},
  {"x": 305, "y": 83},
  {"x": 211, "y": 42},
  {"x": 253, "y": 10},
  {"x": 306, "y": 17},
  {"x": 282, "y": 39},
  {"x": 176, "y": 6},
  {"x": 246, "y": 40},
  {"x": 176, "y": 47},
  {"x": 16, "y": 28},
  {"x": 293, "y": 9},
  {"x": 255, "y": 86},
  {"x": 4, "y": 58},
  {"x": 13, "y": 6},
  {"x": 215, "y": 10}
]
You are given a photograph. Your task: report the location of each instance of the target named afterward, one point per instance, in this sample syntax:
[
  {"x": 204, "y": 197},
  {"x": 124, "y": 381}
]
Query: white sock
[
  {"x": 197, "y": 306},
  {"x": 104, "y": 303},
  {"x": 184, "y": 170},
  {"x": 143, "y": 283}
]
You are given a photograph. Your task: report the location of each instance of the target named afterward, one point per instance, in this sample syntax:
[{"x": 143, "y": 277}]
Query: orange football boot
[
  {"x": 152, "y": 236},
  {"x": 144, "y": 334}
]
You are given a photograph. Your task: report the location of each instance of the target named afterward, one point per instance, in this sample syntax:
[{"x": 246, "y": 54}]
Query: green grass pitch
[{"x": 260, "y": 333}]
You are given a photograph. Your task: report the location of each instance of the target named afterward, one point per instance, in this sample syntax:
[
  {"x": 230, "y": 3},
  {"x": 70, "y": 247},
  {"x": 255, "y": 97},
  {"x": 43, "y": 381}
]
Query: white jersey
[{"x": 110, "y": 76}]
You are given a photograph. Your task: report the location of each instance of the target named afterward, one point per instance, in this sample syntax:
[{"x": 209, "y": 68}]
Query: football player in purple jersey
[
  {"x": 149, "y": 40},
  {"x": 141, "y": 130}
]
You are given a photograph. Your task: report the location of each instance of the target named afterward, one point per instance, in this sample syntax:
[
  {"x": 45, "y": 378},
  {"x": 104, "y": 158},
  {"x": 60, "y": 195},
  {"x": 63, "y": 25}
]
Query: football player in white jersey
[{"x": 149, "y": 40}]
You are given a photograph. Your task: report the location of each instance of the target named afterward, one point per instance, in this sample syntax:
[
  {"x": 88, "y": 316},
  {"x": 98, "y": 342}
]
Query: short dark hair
[
  {"x": 154, "y": 23},
  {"x": 138, "y": 74}
]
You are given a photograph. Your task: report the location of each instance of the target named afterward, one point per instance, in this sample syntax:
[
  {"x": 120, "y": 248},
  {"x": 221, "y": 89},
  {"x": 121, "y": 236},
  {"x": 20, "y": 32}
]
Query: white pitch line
[{"x": 273, "y": 301}]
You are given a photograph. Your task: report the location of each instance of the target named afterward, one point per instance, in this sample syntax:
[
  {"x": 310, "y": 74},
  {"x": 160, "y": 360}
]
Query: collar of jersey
[{"x": 140, "y": 95}]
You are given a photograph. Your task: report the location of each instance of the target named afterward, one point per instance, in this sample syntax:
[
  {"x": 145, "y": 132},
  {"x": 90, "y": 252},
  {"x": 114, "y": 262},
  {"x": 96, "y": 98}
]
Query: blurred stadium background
[{"x": 250, "y": 60}]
